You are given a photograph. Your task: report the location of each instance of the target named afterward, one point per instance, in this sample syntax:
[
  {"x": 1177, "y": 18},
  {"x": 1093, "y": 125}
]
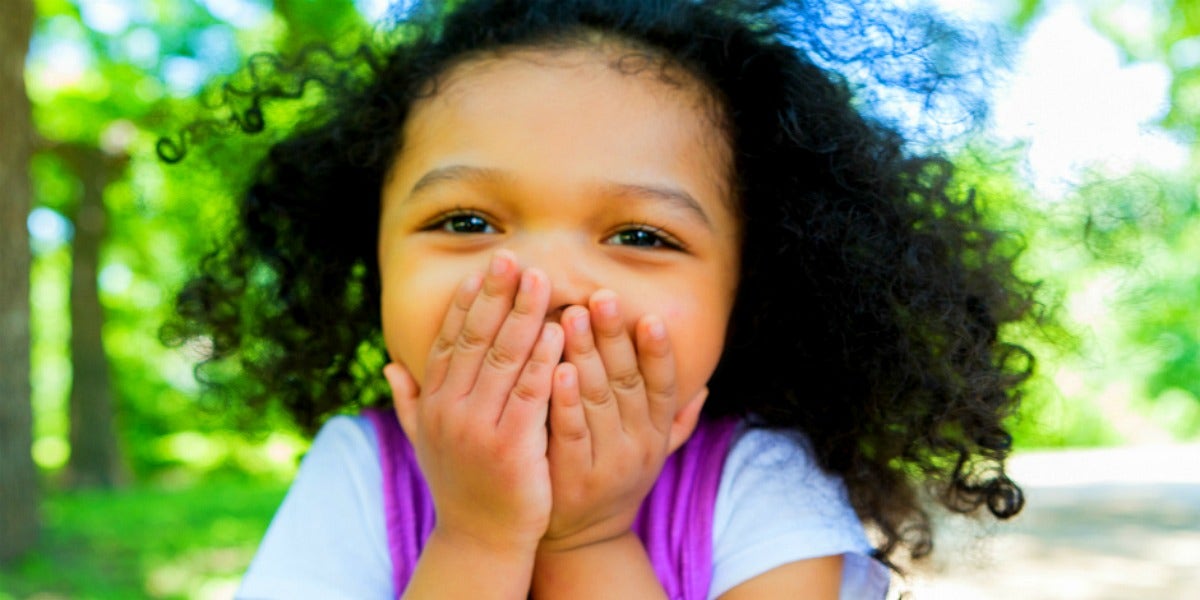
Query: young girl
[{"x": 665, "y": 316}]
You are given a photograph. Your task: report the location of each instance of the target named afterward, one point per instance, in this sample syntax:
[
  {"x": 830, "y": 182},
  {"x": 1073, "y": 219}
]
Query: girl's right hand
[{"x": 479, "y": 424}]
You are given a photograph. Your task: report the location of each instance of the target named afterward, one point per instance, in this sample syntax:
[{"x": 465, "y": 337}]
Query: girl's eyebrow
[
  {"x": 466, "y": 173},
  {"x": 671, "y": 195},
  {"x": 452, "y": 173}
]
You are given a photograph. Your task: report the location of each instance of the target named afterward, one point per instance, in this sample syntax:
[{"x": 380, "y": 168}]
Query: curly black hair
[{"x": 873, "y": 295}]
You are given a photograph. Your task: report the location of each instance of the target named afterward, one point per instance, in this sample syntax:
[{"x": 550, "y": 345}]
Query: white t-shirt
[{"x": 328, "y": 540}]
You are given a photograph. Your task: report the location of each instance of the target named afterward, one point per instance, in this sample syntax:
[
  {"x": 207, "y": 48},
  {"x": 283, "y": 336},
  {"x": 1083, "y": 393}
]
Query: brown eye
[
  {"x": 642, "y": 237},
  {"x": 463, "y": 223}
]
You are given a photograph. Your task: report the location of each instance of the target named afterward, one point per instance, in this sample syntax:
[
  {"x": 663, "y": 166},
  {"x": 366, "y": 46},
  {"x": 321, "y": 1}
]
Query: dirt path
[{"x": 1098, "y": 525}]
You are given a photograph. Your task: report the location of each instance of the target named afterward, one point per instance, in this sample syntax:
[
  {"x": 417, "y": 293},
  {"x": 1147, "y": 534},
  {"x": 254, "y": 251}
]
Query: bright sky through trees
[{"x": 1071, "y": 98}]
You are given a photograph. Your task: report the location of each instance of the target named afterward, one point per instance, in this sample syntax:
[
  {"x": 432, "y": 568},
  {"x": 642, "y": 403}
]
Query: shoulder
[
  {"x": 347, "y": 434},
  {"x": 775, "y": 473},
  {"x": 772, "y": 463},
  {"x": 344, "y": 448},
  {"x": 328, "y": 539}
]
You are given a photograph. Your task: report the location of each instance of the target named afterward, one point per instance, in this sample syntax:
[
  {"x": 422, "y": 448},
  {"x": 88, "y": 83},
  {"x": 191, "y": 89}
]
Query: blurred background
[{"x": 118, "y": 481}]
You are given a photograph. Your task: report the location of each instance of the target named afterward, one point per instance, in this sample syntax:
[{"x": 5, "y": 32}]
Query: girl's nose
[
  {"x": 569, "y": 284},
  {"x": 571, "y": 274}
]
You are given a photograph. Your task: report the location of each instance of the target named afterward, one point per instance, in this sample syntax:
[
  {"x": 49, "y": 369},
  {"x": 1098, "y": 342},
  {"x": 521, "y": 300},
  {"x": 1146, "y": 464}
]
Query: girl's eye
[
  {"x": 466, "y": 223},
  {"x": 642, "y": 237}
]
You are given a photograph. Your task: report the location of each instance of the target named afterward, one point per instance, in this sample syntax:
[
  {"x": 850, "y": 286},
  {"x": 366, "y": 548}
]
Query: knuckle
[
  {"x": 471, "y": 339},
  {"x": 524, "y": 307},
  {"x": 527, "y": 392},
  {"x": 463, "y": 300},
  {"x": 610, "y": 331},
  {"x": 501, "y": 358},
  {"x": 443, "y": 345},
  {"x": 658, "y": 351},
  {"x": 537, "y": 365},
  {"x": 494, "y": 290},
  {"x": 666, "y": 389},
  {"x": 626, "y": 381},
  {"x": 600, "y": 398},
  {"x": 571, "y": 434},
  {"x": 583, "y": 348}
]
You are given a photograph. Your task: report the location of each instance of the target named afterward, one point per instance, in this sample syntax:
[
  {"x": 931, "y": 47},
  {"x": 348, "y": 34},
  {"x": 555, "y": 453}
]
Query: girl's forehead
[{"x": 607, "y": 76}]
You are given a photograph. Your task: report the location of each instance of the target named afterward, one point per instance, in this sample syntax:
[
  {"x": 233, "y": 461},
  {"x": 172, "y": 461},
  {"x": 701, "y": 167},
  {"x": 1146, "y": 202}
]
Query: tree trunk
[
  {"x": 18, "y": 476},
  {"x": 95, "y": 455}
]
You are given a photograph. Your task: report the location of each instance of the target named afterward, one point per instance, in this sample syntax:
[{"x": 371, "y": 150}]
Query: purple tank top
[{"x": 674, "y": 523}]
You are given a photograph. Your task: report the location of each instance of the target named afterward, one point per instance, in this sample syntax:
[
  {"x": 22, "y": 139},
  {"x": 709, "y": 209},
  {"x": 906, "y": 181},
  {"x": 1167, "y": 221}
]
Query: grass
[{"x": 145, "y": 542}]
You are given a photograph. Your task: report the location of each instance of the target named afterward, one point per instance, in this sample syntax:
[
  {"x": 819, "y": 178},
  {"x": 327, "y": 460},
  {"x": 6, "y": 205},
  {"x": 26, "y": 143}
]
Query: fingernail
[
  {"x": 473, "y": 281},
  {"x": 565, "y": 377},
  {"x": 607, "y": 307},
  {"x": 501, "y": 263},
  {"x": 531, "y": 280},
  {"x": 580, "y": 324},
  {"x": 656, "y": 329},
  {"x": 549, "y": 334}
]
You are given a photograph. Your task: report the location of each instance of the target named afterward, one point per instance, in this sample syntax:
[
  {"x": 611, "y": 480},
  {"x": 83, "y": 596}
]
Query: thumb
[
  {"x": 685, "y": 420},
  {"x": 404, "y": 393}
]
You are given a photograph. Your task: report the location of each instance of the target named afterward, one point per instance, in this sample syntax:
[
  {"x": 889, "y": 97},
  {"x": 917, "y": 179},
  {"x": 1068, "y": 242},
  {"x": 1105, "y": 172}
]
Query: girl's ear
[{"x": 685, "y": 420}]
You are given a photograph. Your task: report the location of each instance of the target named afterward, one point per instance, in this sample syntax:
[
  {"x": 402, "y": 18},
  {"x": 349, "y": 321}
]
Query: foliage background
[{"x": 1118, "y": 253}]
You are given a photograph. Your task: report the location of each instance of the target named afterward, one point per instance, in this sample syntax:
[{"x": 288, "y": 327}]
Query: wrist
[
  {"x": 458, "y": 565},
  {"x": 601, "y": 532},
  {"x": 585, "y": 571},
  {"x": 473, "y": 543},
  {"x": 550, "y": 548}
]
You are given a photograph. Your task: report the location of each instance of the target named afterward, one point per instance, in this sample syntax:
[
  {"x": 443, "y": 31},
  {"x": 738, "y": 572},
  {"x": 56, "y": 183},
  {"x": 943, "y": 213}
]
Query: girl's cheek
[
  {"x": 683, "y": 329},
  {"x": 673, "y": 313}
]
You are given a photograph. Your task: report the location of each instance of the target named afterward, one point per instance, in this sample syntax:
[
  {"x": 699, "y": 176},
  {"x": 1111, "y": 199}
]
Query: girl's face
[{"x": 602, "y": 179}]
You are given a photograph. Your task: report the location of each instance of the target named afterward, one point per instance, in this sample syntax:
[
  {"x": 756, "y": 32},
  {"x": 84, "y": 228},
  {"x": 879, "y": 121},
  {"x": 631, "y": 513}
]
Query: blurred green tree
[
  {"x": 95, "y": 459},
  {"x": 1140, "y": 231},
  {"x": 108, "y": 78},
  {"x": 18, "y": 477}
]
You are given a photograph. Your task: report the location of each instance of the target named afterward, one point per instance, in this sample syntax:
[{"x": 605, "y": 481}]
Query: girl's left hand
[{"x": 614, "y": 417}]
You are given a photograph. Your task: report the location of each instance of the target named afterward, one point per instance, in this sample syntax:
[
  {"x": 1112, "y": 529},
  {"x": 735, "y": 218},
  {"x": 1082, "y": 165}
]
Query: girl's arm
[
  {"x": 784, "y": 528},
  {"x": 812, "y": 579},
  {"x": 614, "y": 568},
  {"x": 469, "y": 569},
  {"x": 619, "y": 568}
]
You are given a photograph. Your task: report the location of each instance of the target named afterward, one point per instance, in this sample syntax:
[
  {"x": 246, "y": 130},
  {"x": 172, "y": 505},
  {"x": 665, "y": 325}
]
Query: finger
[
  {"x": 404, "y": 396},
  {"x": 483, "y": 320},
  {"x": 599, "y": 404},
  {"x": 506, "y": 358},
  {"x": 530, "y": 397},
  {"x": 452, "y": 323},
  {"x": 620, "y": 361},
  {"x": 656, "y": 362},
  {"x": 570, "y": 439}
]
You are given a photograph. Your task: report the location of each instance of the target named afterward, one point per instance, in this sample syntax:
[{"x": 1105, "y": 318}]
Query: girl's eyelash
[
  {"x": 658, "y": 237},
  {"x": 465, "y": 221},
  {"x": 462, "y": 221}
]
